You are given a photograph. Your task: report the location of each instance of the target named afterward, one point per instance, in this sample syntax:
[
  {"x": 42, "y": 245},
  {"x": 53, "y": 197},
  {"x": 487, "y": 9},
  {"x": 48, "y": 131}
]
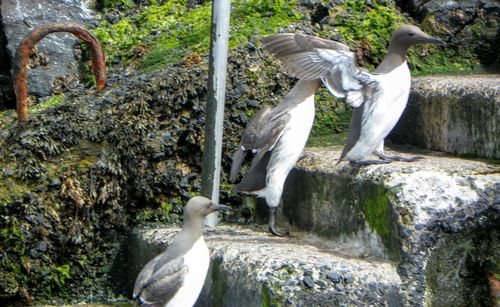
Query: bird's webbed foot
[
  {"x": 399, "y": 158},
  {"x": 272, "y": 229},
  {"x": 368, "y": 162}
]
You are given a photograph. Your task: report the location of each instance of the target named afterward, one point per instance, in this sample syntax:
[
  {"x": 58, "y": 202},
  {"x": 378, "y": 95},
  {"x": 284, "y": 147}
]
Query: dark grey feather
[
  {"x": 255, "y": 178},
  {"x": 267, "y": 133},
  {"x": 308, "y": 57},
  {"x": 158, "y": 282},
  {"x": 250, "y": 137},
  {"x": 169, "y": 261},
  {"x": 354, "y": 130},
  {"x": 238, "y": 159},
  {"x": 288, "y": 43}
]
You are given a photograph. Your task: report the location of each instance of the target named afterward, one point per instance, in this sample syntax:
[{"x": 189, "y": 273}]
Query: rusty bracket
[{"x": 20, "y": 69}]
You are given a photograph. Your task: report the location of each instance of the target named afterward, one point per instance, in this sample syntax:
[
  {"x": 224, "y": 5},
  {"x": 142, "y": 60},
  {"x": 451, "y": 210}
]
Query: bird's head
[
  {"x": 200, "y": 207},
  {"x": 408, "y": 35}
]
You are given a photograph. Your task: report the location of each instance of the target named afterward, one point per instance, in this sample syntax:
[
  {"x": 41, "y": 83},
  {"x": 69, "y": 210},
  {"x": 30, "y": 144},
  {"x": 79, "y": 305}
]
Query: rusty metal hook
[{"x": 20, "y": 69}]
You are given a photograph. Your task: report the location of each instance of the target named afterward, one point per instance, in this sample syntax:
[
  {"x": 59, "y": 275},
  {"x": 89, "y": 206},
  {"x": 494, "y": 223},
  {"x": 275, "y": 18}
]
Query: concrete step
[
  {"x": 436, "y": 218},
  {"x": 249, "y": 267},
  {"x": 454, "y": 114}
]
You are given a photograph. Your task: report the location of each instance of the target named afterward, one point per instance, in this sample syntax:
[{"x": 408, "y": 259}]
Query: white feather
[
  {"x": 382, "y": 111},
  {"x": 287, "y": 150},
  {"x": 355, "y": 98},
  {"x": 197, "y": 260}
]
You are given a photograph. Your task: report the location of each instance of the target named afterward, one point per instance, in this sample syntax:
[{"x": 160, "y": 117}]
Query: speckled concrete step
[
  {"x": 436, "y": 218},
  {"x": 454, "y": 114},
  {"x": 249, "y": 267}
]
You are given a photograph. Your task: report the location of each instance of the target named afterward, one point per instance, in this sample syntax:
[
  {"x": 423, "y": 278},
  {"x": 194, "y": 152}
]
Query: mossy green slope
[{"x": 161, "y": 34}]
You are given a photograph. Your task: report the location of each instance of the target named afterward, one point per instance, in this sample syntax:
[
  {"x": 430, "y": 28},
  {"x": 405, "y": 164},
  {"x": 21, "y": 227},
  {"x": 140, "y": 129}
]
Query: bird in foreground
[
  {"x": 378, "y": 97},
  {"x": 276, "y": 137},
  {"x": 176, "y": 276}
]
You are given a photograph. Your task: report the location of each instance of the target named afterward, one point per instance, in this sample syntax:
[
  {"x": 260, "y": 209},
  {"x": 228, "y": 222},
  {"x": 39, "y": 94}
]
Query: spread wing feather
[{"x": 309, "y": 57}]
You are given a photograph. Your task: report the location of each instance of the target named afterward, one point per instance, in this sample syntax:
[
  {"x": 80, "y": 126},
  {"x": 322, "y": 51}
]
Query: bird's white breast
[
  {"x": 288, "y": 149},
  {"x": 197, "y": 260},
  {"x": 382, "y": 111}
]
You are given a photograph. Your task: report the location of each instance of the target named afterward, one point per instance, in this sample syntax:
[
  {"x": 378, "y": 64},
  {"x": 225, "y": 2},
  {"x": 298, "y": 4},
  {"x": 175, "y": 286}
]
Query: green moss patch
[
  {"x": 269, "y": 297},
  {"x": 378, "y": 213},
  {"x": 160, "y": 34},
  {"x": 48, "y": 102}
]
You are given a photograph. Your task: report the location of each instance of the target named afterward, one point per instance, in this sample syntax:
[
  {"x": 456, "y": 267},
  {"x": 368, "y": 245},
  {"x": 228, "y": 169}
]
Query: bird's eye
[{"x": 411, "y": 34}]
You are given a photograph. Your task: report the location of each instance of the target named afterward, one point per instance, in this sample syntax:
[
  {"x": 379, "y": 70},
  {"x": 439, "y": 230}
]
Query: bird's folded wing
[
  {"x": 160, "y": 285},
  {"x": 309, "y": 57},
  {"x": 269, "y": 134},
  {"x": 260, "y": 136},
  {"x": 248, "y": 140}
]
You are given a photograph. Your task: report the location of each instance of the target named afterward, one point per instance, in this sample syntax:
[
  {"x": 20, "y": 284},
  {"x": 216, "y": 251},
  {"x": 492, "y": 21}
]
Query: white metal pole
[{"x": 214, "y": 116}]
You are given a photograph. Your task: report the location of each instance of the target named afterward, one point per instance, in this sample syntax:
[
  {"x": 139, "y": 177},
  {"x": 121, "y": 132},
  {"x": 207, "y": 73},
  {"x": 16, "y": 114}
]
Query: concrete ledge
[
  {"x": 454, "y": 114},
  {"x": 411, "y": 213},
  {"x": 251, "y": 268}
]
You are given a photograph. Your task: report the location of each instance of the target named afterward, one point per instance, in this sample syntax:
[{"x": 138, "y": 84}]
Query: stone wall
[{"x": 54, "y": 58}]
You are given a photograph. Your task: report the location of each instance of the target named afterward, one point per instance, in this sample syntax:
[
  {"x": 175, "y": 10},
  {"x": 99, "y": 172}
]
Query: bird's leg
[
  {"x": 385, "y": 157},
  {"x": 379, "y": 152},
  {"x": 368, "y": 162},
  {"x": 272, "y": 215}
]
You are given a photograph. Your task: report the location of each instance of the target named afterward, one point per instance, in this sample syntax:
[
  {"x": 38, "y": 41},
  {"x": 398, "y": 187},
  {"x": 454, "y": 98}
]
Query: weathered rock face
[
  {"x": 55, "y": 55},
  {"x": 470, "y": 25},
  {"x": 6, "y": 89},
  {"x": 454, "y": 114},
  {"x": 436, "y": 218},
  {"x": 251, "y": 268},
  {"x": 99, "y": 162}
]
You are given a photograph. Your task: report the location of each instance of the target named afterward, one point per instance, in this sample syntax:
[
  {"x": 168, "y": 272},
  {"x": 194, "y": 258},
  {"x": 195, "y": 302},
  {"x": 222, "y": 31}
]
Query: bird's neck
[
  {"x": 394, "y": 58},
  {"x": 194, "y": 225},
  {"x": 304, "y": 88}
]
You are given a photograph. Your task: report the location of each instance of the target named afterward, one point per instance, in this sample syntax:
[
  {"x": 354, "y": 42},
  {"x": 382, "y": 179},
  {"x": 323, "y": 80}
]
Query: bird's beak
[
  {"x": 216, "y": 207},
  {"x": 433, "y": 40}
]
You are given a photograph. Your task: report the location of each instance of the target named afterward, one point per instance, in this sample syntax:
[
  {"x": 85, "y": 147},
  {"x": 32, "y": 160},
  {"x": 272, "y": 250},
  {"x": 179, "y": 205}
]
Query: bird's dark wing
[
  {"x": 269, "y": 132},
  {"x": 308, "y": 57},
  {"x": 255, "y": 178},
  {"x": 248, "y": 140},
  {"x": 354, "y": 130},
  {"x": 359, "y": 117},
  {"x": 157, "y": 284}
]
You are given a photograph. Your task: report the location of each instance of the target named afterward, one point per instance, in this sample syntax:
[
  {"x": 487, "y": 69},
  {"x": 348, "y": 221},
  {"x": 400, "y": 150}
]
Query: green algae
[
  {"x": 48, "y": 102},
  {"x": 376, "y": 202},
  {"x": 12, "y": 188},
  {"x": 377, "y": 211},
  {"x": 162, "y": 34},
  {"x": 326, "y": 140},
  {"x": 123, "y": 4},
  {"x": 332, "y": 115},
  {"x": 269, "y": 296},
  {"x": 153, "y": 36},
  {"x": 367, "y": 28},
  {"x": 219, "y": 282}
]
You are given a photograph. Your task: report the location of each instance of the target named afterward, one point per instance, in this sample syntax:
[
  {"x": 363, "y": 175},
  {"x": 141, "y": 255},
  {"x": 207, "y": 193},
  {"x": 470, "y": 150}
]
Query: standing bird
[
  {"x": 175, "y": 277},
  {"x": 276, "y": 136},
  {"x": 378, "y": 97}
]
